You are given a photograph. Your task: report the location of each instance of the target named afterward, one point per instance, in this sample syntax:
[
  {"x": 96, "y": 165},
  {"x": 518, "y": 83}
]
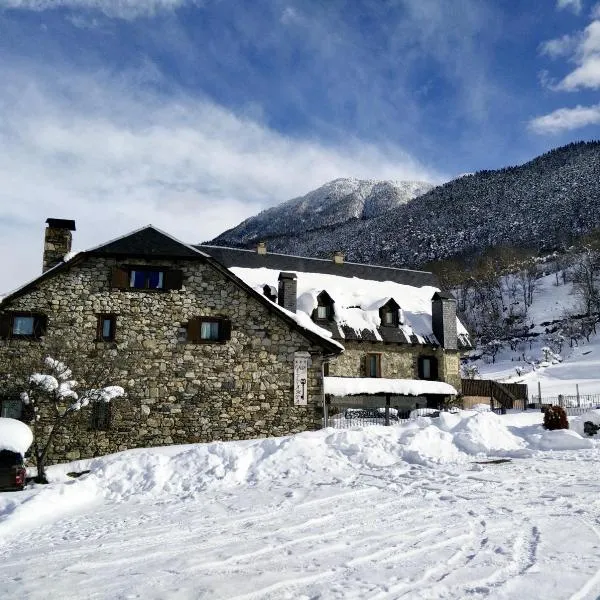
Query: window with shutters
[
  {"x": 106, "y": 329},
  {"x": 206, "y": 330},
  {"x": 23, "y": 325},
  {"x": 100, "y": 417},
  {"x": 146, "y": 278},
  {"x": 373, "y": 365},
  {"x": 428, "y": 368}
]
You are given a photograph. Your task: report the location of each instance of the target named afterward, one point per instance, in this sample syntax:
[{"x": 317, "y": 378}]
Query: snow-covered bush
[
  {"x": 52, "y": 393},
  {"x": 555, "y": 417}
]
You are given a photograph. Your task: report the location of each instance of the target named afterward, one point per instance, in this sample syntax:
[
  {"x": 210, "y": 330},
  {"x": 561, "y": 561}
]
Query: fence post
[
  {"x": 387, "y": 409},
  {"x": 326, "y": 410},
  {"x": 578, "y": 399},
  {"x": 540, "y": 393}
]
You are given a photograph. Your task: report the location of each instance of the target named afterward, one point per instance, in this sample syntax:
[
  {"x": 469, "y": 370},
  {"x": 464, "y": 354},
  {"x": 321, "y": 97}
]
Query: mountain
[
  {"x": 334, "y": 203},
  {"x": 544, "y": 204}
]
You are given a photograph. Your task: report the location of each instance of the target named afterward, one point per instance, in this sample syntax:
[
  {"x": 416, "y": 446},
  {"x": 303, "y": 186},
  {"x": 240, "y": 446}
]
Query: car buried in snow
[{"x": 12, "y": 471}]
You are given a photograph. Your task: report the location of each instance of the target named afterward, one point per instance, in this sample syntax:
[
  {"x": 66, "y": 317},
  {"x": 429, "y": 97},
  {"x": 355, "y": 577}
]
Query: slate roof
[
  {"x": 147, "y": 242},
  {"x": 236, "y": 257}
]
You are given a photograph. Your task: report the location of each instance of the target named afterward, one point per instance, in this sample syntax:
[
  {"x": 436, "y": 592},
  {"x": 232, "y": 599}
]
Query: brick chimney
[
  {"x": 57, "y": 241},
  {"x": 443, "y": 320},
  {"x": 261, "y": 248},
  {"x": 288, "y": 289},
  {"x": 338, "y": 258}
]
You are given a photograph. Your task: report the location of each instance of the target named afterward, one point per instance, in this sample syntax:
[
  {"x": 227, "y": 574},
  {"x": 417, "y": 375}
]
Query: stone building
[{"x": 218, "y": 344}]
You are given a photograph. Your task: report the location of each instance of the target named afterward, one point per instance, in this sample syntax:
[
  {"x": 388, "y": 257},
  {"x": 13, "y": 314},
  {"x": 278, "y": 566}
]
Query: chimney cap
[
  {"x": 61, "y": 224},
  {"x": 338, "y": 257},
  {"x": 261, "y": 247},
  {"x": 287, "y": 275}
]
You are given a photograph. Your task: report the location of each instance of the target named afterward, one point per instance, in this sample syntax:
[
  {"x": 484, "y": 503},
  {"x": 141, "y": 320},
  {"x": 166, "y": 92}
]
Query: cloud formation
[
  {"x": 566, "y": 119},
  {"x": 574, "y": 5},
  {"x": 121, "y": 9},
  {"x": 114, "y": 158}
]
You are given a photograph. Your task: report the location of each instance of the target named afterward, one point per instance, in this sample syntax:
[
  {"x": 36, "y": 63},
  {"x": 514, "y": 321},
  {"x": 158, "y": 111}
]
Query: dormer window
[
  {"x": 389, "y": 314},
  {"x": 324, "y": 310}
]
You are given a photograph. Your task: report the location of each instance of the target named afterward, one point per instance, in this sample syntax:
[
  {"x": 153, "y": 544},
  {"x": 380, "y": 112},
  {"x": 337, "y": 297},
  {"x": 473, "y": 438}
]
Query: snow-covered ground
[
  {"x": 411, "y": 511},
  {"x": 577, "y": 365}
]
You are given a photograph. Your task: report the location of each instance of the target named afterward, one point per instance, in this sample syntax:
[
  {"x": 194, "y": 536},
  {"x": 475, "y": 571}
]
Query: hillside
[
  {"x": 335, "y": 203},
  {"x": 543, "y": 204}
]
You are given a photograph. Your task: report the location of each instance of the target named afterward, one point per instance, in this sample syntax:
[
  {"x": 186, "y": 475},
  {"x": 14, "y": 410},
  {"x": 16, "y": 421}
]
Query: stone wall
[
  {"x": 397, "y": 362},
  {"x": 178, "y": 392}
]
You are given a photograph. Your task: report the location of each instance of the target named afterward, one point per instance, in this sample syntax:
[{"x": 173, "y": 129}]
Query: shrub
[{"x": 555, "y": 417}]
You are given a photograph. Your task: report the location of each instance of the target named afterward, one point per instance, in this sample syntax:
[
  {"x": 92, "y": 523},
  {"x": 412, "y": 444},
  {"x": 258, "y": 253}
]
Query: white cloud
[
  {"x": 122, "y": 9},
  {"x": 566, "y": 119},
  {"x": 574, "y": 5},
  {"x": 587, "y": 57},
  {"x": 97, "y": 151},
  {"x": 562, "y": 46}
]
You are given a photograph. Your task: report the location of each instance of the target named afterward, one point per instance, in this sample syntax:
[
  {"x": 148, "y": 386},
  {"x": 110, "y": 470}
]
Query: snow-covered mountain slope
[
  {"x": 555, "y": 352},
  {"x": 545, "y": 203},
  {"x": 334, "y": 203},
  {"x": 410, "y": 511}
]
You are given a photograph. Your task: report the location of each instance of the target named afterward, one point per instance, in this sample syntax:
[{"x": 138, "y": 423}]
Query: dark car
[{"x": 12, "y": 471}]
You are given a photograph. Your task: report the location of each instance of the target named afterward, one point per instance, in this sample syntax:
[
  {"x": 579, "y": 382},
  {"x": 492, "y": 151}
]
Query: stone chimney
[
  {"x": 288, "y": 289},
  {"x": 261, "y": 248},
  {"x": 443, "y": 320},
  {"x": 338, "y": 258},
  {"x": 57, "y": 241}
]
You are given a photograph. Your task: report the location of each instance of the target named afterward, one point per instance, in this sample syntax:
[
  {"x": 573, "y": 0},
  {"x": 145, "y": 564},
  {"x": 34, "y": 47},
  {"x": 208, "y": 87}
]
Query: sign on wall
[{"x": 301, "y": 378}]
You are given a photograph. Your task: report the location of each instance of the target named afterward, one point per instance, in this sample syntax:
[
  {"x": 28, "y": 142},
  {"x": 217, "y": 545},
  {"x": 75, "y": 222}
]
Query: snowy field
[{"x": 413, "y": 511}]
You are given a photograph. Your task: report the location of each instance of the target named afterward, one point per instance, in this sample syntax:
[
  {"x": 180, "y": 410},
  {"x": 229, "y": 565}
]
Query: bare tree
[{"x": 586, "y": 273}]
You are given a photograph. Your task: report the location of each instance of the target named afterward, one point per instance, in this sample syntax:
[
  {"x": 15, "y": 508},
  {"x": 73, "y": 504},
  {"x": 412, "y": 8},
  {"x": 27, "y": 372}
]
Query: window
[
  {"x": 209, "y": 329},
  {"x": 428, "y": 368},
  {"x": 373, "y": 365},
  {"x": 23, "y": 325},
  {"x": 390, "y": 314},
  {"x": 107, "y": 325},
  {"x": 326, "y": 369},
  {"x": 100, "y": 418},
  {"x": 146, "y": 278},
  {"x": 324, "y": 310},
  {"x": 11, "y": 408}
]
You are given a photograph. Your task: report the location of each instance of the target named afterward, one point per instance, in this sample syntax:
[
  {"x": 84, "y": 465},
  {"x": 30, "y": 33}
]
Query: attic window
[
  {"x": 389, "y": 314},
  {"x": 324, "y": 310},
  {"x": 146, "y": 278}
]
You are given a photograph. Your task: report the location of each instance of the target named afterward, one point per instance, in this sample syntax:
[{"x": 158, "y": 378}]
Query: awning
[{"x": 353, "y": 386}]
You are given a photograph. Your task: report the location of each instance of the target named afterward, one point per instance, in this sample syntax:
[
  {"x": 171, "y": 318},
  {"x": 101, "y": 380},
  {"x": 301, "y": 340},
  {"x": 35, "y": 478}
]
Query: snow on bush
[{"x": 15, "y": 436}]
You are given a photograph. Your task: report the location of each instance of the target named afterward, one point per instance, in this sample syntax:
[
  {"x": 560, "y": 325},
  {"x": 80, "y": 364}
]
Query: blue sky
[{"x": 195, "y": 114}]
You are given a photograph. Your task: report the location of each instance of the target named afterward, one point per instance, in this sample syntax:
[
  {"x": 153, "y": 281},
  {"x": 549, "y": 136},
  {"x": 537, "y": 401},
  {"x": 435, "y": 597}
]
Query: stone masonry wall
[
  {"x": 178, "y": 392},
  {"x": 397, "y": 362}
]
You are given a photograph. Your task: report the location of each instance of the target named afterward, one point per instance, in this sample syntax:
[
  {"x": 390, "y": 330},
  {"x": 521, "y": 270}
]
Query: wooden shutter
[
  {"x": 224, "y": 330},
  {"x": 420, "y": 367},
  {"x": 5, "y": 325},
  {"x": 194, "y": 327},
  {"x": 120, "y": 278},
  {"x": 364, "y": 366},
  {"x": 40, "y": 324},
  {"x": 173, "y": 279}
]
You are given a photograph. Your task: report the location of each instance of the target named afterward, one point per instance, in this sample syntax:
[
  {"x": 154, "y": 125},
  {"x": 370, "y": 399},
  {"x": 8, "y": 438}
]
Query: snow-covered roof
[
  {"x": 357, "y": 303},
  {"x": 354, "y": 386}
]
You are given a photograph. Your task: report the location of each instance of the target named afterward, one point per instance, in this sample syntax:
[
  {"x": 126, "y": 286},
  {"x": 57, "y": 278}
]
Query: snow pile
[
  {"x": 14, "y": 435},
  {"x": 348, "y": 386},
  {"x": 325, "y": 455}
]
